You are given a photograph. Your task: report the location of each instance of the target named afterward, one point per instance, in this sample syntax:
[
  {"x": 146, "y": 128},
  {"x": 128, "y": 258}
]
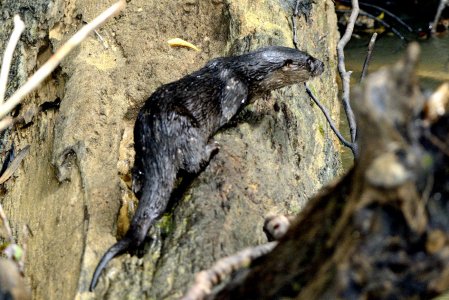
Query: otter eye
[
  {"x": 289, "y": 65},
  {"x": 288, "y": 62}
]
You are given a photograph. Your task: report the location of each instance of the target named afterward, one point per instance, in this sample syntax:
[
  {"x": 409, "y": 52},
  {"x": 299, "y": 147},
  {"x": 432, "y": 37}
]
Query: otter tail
[
  {"x": 152, "y": 203},
  {"x": 154, "y": 177},
  {"x": 116, "y": 249}
]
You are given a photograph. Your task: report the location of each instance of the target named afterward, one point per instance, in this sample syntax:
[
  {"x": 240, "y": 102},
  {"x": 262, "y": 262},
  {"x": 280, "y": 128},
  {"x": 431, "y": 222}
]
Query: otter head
[{"x": 275, "y": 67}]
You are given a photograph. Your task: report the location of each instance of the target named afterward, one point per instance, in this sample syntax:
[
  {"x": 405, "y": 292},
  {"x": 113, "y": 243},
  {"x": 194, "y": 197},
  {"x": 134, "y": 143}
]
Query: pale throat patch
[{"x": 281, "y": 78}]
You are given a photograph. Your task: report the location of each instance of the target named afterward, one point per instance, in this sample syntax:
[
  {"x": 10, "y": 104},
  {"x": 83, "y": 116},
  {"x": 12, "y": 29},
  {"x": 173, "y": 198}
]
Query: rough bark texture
[
  {"x": 72, "y": 184},
  {"x": 382, "y": 231}
]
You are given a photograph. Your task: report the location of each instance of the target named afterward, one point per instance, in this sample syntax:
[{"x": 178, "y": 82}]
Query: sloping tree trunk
[
  {"x": 382, "y": 231},
  {"x": 71, "y": 186}
]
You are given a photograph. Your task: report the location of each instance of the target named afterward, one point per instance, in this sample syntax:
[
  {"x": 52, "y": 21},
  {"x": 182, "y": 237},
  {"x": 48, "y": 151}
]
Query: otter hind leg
[{"x": 197, "y": 152}]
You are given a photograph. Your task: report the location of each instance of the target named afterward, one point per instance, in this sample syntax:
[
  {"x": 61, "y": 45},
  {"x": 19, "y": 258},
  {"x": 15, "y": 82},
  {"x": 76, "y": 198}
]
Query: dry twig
[
  {"x": 368, "y": 56},
  {"x": 328, "y": 118},
  {"x": 19, "y": 26},
  {"x": 56, "y": 58}
]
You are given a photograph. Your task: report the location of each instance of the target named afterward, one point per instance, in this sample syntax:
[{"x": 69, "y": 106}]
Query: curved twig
[
  {"x": 19, "y": 26},
  {"x": 331, "y": 123}
]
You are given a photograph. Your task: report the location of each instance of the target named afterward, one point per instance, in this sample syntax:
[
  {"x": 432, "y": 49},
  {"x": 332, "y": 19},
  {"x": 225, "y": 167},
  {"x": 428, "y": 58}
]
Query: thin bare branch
[
  {"x": 56, "y": 58},
  {"x": 19, "y": 26},
  {"x": 368, "y": 56},
  {"x": 345, "y": 75},
  {"x": 351, "y": 146}
]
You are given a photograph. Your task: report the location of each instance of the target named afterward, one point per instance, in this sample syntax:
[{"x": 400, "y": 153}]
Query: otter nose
[{"x": 316, "y": 66}]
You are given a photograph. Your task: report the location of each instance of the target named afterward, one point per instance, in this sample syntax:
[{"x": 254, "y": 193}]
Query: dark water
[{"x": 433, "y": 68}]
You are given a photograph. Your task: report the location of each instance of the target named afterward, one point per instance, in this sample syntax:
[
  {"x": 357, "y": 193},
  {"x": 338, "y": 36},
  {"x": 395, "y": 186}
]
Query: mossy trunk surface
[{"x": 73, "y": 189}]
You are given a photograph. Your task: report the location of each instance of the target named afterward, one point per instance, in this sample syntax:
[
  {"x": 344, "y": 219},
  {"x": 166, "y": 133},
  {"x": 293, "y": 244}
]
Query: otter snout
[{"x": 316, "y": 67}]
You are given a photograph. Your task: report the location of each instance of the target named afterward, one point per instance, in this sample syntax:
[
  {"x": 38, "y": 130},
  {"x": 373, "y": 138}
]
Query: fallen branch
[{"x": 56, "y": 58}]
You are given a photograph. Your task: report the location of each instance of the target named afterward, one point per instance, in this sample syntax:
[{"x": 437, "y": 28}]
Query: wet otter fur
[{"x": 174, "y": 128}]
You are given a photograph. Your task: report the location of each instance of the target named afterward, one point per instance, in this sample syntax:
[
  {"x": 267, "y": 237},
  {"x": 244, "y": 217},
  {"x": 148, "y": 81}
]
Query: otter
[{"x": 173, "y": 130}]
